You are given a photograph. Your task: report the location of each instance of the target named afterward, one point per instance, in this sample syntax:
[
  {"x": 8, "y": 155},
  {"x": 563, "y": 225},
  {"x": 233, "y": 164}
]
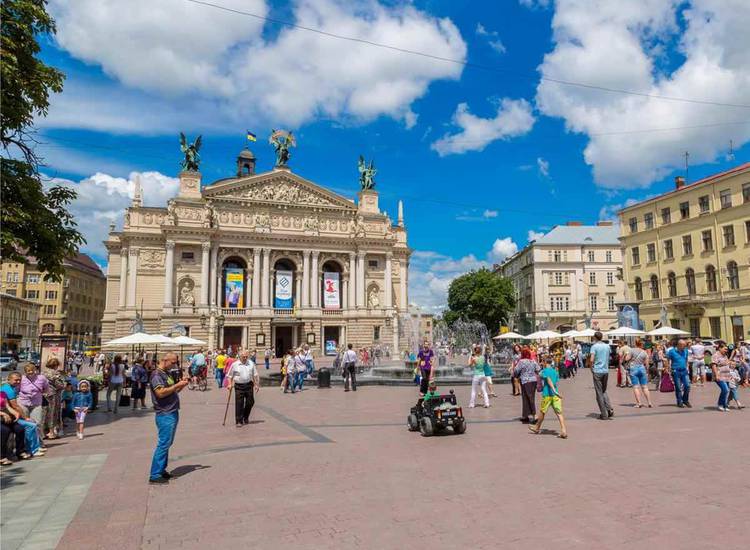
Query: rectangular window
[
  {"x": 611, "y": 302},
  {"x": 704, "y": 204},
  {"x": 557, "y": 255},
  {"x": 376, "y": 333},
  {"x": 10, "y": 291},
  {"x": 666, "y": 216},
  {"x": 695, "y": 326},
  {"x": 593, "y": 302},
  {"x": 636, "y": 254},
  {"x": 728, "y": 232},
  {"x": 747, "y": 231},
  {"x": 648, "y": 220},
  {"x": 592, "y": 278},
  {"x": 651, "y": 252},
  {"x": 32, "y": 278},
  {"x": 50, "y": 295},
  {"x": 687, "y": 245},
  {"x": 591, "y": 255},
  {"x": 609, "y": 255},
  {"x": 188, "y": 256},
  {"x": 708, "y": 242},
  {"x": 372, "y": 263},
  {"x": 32, "y": 294},
  {"x": 715, "y": 324},
  {"x": 746, "y": 192},
  {"x": 675, "y": 323},
  {"x": 559, "y": 303},
  {"x": 725, "y": 197},
  {"x": 668, "y": 249},
  {"x": 558, "y": 277},
  {"x": 684, "y": 210},
  {"x": 633, "y": 223},
  {"x": 50, "y": 309},
  {"x": 610, "y": 278}
]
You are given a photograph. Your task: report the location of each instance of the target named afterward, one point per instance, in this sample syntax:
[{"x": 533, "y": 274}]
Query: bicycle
[{"x": 200, "y": 380}]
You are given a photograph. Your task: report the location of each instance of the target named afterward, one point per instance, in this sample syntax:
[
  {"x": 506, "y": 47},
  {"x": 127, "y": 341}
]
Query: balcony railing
[
  {"x": 332, "y": 312},
  {"x": 283, "y": 312},
  {"x": 234, "y": 311}
]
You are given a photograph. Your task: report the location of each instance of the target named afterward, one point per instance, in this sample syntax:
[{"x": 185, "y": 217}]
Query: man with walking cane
[{"x": 243, "y": 377}]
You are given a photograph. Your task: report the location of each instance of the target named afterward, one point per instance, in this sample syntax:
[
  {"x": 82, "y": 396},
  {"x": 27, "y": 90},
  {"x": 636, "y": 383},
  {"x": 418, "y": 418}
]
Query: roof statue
[
  {"x": 192, "y": 158},
  {"x": 282, "y": 141},
  {"x": 366, "y": 173}
]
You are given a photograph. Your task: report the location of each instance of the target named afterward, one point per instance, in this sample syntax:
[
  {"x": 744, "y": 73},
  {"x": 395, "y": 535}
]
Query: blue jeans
[
  {"x": 723, "y": 394},
  {"x": 166, "y": 427},
  {"x": 220, "y": 377},
  {"x": 310, "y": 366},
  {"x": 299, "y": 380},
  {"x": 268, "y": 363},
  {"x": 681, "y": 385},
  {"x": 31, "y": 435}
]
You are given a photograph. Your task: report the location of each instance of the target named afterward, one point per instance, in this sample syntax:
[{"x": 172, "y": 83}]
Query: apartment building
[
  {"x": 686, "y": 255},
  {"x": 72, "y": 306},
  {"x": 19, "y": 324},
  {"x": 568, "y": 276}
]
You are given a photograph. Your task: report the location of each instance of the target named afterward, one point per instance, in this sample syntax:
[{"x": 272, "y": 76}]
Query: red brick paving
[{"x": 661, "y": 477}]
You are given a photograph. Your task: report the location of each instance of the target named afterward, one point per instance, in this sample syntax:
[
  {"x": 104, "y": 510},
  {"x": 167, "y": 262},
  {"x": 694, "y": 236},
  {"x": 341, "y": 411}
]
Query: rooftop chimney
[
  {"x": 679, "y": 182},
  {"x": 604, "y": 224},
  {"x": 574, "y": 224}
]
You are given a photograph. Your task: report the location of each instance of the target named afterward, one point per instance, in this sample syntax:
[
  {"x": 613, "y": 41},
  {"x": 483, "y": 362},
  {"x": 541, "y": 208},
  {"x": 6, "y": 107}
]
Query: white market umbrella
[
  {"x": 183, "y": 341},
  {"x": 543, "y": 335},
  {"x": 136, "y": 339},
  {"x": 625, "y": 331},
  {"x": 509, "y": 336},
  {"x": 570, "y": 334},
  {"x": 585, "y": 333},
  {"x": 667, "y": 331}
]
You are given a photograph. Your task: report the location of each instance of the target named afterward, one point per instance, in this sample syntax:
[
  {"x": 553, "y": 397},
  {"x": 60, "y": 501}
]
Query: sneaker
[
  {"x": 611, "y": 412},
  {"x": 166, "y": 475},
  {"x": 79, "y": 435},
  {"x": 681, "y": 405},
  {"x": 38, "y": 454},
  {"x": 688, "y": 405},
  {"x": 158, "y": 481}
]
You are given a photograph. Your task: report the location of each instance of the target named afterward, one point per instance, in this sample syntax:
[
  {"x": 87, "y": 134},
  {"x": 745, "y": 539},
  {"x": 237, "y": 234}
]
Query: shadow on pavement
[
  {"x": 12, "y": 476},
  {"x": 187, "y": 469}
]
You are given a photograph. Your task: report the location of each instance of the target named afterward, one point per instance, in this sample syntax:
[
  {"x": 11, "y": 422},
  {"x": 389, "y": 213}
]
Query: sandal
[
  {"x": 5, "y": 462},
  {"x": 563, "y": 436},
  {"x": 534, "y": 431},
  {"x": 24, "y": 456}
]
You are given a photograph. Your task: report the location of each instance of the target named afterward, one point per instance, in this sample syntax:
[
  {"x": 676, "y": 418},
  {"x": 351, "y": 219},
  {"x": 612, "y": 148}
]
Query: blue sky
[{"x": 480, "y": 157}]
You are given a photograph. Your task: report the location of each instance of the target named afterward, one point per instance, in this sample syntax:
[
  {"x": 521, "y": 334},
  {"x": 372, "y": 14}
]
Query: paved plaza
[{"x": 329, "y": 469}]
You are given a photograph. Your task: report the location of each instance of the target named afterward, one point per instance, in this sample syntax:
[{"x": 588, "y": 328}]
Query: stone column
[
  {"x": 169, "y": 276},
  {"x": 206, "y": 248},
  {"x": 298, "y": 290},
  {"x": 344, "y": 292},
  {"x": 213, "y": 277},
  {"x": 121, "y": 299},
  {"x": 265, "y": 278},
  {"x": 305, "y": 278},
  {"x": 388, "y": 282},
  {"x": 315, "y": 281},
  {"x": 352, "y": 300},
  {"x": 395, "y": 350},
  {"x": 403, "y": 284},
  {"x": 361, "y": 279},
  {"x": 132, "y": 275},
  {"x": 255, "y": 285}
]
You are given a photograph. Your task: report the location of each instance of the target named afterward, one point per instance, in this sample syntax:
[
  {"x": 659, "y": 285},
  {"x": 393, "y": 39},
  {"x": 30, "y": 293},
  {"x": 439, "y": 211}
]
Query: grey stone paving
[{"x": 38, "y": 499}]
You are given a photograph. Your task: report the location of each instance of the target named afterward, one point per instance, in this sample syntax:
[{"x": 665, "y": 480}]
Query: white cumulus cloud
[
  {"x": 181, "y": 50},
  {"x": 624, "y": 45},
  {"x": 501, "y": 249},
  {"x": 513, "y": 118},
  {"x": 534, "y": 235}
]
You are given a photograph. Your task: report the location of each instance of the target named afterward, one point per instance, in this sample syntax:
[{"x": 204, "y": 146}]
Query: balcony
[
  {"x": 283, "y": 312},
  {"x": 332, "y": 312},
  {"x": 234, "y": 312}
]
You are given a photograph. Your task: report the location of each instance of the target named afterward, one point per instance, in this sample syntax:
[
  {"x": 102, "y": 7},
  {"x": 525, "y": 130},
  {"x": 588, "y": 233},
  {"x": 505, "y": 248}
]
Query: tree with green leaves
[
  {"x": 481, "y": 295},
  {"x": 34, "y": 221}
]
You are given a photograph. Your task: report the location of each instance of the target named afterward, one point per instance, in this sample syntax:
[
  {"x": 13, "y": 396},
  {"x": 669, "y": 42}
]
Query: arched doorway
[
  {"x": 233, "y": 277},
  {"x": 284, "y": 291},
  {"x": 330, "y": 287}
]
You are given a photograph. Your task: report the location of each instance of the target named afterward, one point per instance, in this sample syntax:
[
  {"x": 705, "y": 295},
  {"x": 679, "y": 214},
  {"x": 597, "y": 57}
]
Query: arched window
[
  {"x": 284, "y": 291},
  {"x": 234, "y": 293},
  {"x": 638, "y": 289},
  {"x": 654, "y": 284},
  {"x": 733, "y": 274},
  {"x": 672, "y": 284},
  {"x": 710, "y": 278},
  {"x": 48, "y": 327},
  {"x": 690, "y": 281}
]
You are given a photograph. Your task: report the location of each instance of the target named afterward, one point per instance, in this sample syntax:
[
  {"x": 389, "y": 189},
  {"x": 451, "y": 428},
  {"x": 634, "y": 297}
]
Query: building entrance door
[
  {"x": 331, "y": 340},
  {"x": 232, "y": 338},
  {"x": 738, "y": 329},
  {"x": 283, "y": 340}
]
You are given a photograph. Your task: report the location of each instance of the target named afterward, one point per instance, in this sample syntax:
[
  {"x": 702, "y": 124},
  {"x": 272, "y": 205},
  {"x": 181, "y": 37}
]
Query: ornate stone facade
[{"x": 260, "y": 260}]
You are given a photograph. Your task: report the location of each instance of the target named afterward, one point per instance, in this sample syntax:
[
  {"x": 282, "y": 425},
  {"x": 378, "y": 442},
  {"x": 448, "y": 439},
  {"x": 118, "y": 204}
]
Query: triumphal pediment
[{"x": 276, "y": 187}]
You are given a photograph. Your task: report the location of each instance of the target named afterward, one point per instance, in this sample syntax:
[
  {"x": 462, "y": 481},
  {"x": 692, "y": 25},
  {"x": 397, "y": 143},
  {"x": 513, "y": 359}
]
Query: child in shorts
[
  {"x": 550, "y": 398},
  {"x": 734, "y": 381},
  {"x": 82, "y": 402}
]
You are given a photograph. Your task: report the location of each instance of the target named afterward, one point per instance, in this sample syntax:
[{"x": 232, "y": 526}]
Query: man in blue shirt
[
  {"x": 599, "y": 360},
  {"x": 677, "y": 363}
]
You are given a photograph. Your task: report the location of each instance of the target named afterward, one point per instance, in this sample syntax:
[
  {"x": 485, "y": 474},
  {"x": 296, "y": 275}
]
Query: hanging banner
[
  {"x": 234, "y": 288},
  {"x": 331, "y": 295},
  {"x": 283, "y": 294}
]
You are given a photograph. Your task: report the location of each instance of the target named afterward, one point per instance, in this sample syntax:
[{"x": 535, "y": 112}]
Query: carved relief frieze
[{"x": 152, "y": 258}]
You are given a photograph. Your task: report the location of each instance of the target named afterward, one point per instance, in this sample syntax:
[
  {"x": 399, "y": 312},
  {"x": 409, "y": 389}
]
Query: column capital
[
  {"x": 315, "y": 254},
  {"x": 124, "y": 251},
  {"x": 133, "y": 251},
  {"x": 206, "y": 246},
  {"x": 389, "y": 255},
  {"x": 352, "y": 255},
  {"x": 169, "y": 245},
  {"x": 266, "y": 250},
  {"x": 361, "y": 253}
]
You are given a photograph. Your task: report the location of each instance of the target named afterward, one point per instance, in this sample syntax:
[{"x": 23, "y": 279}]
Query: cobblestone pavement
[{"x": 329, "y": 469}]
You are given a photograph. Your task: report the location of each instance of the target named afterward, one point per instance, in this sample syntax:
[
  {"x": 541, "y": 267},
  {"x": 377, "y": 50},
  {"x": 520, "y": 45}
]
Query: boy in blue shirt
[{"x": 550, "y": 398}]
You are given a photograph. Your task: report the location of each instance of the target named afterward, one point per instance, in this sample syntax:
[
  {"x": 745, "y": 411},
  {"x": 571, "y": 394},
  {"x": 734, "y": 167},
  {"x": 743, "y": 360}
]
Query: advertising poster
[
  {"x": 234, "y": 288},
  {"x": 53, "y": 347},
  {"x": 331, "y": 296},
  {"x": 283, "y": 294},
  {"x": 330, "y": 347}
]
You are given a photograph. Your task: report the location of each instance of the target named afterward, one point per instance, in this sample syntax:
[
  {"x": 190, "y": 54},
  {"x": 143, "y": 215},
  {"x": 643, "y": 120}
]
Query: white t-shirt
[
  {"x": 698, "y": 351},
  {"x": 350, "y": 356},
  {"x": 242, "y": 373}
]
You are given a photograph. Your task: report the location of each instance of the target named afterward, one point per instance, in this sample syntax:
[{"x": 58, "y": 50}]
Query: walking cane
[{"x": 226, "y": 411}]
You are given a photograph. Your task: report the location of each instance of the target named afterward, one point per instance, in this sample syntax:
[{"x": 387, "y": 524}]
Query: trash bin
[{"x": 324, "y": 378}]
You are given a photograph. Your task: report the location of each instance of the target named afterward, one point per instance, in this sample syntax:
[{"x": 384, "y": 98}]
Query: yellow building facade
[
  {"x": 72, "y": 306},
  {"x": 686, "y": 256}
]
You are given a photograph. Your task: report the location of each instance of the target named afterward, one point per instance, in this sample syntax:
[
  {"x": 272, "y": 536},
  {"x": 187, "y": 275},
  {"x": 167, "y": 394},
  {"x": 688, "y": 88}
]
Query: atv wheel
[
  {"x": 412, "y": 422},
  {"x": 459, "y": 427},
  {"x": 425, "y": 426}
]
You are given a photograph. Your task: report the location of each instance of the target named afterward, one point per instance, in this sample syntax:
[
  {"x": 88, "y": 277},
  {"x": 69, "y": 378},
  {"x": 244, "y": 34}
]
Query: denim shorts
[{"x": 638, "y": 376}]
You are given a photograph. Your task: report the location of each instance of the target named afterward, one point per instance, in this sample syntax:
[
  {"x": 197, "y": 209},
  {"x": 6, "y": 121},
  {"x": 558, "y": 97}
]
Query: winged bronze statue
[
  {"x": 192, "y": 159},
  {"x": 366, "y": 173}
]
